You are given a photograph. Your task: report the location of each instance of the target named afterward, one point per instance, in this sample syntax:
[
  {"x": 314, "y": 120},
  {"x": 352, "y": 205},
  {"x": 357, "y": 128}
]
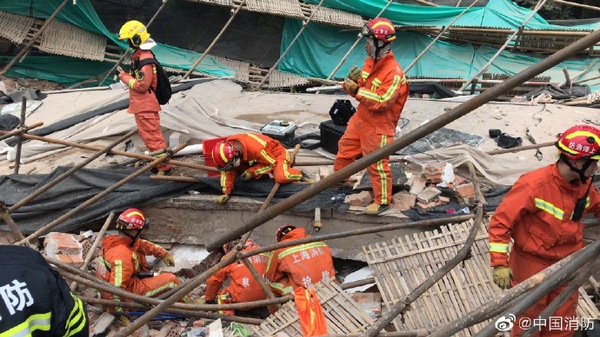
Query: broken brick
[
  {"x": 465, "y": 190},
  {"x": 361, "y": 199},
  {"x": 428, "y": 195},
  {"x": 417, "y": 184},
  {"x": 403, "y": 201}
]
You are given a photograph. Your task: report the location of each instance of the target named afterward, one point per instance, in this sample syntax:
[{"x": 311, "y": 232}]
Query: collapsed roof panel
[{"x": 14, "y": 27}]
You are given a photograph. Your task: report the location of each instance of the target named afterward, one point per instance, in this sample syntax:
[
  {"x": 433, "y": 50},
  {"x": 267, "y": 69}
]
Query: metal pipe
[
  {"x": 191, "y": 313},
  {"x": 68, "y": 173},
  {"x": 90, "y": 253},
  {"x": 8, "y": 134},
  {"x": 402, "y": 306},
  {"x": 212, "y": 44},
  {"x": 304, "y": 25},
  {"x": 25, "y": 49},
  {"x": 98, "y": 196},
  {"x": 20, "y": 140},
  {"x": 114, "y": 152},
  {"x": 407, "y": 139},
  {"x": 360, "y": 231},
  {"x": 570, "y": 263}
]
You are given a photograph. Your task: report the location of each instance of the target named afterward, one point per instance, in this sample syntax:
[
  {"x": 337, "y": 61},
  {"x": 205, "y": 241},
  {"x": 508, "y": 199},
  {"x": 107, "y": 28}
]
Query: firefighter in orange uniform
[
  {"x": 542, "y": 214},
  {"x": 143, "y": 103},
  {"x": 381, "y": 90},
  {"x": 252, "y": 155},
  {"x": 122, "y": 260},
  {"x": 297, "y": 266},
  {"x": 243, "y": 287}
]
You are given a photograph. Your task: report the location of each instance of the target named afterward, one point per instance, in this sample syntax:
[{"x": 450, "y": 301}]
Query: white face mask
[{"x": 236, "y": 162}]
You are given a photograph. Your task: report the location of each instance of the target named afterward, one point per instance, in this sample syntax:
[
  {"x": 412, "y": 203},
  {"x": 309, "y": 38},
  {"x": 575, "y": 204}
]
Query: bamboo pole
[
  {"x": 438, "y": 37},
  {"x": 358, "y": 38},
  {"x": 20, "y": 139},
  {"x": 408, "y": 138},
  {"x": 594, "y": 8},
  {"x": 360, "y": 231},
  {"x": 5, "y": 215},
  {"x": 126, "y": 52},
  {"x": 212, "y": 44},
  {"x": 550, "y": 275},
  {"x": 97, "y": 197},
  {"x": 304, "y": 25},
  {"x": 402, "y": 306},
  {"x": 68, "y": 173},
  {"x": 521, "y": 148},
  {"x": 582, "y": 276},
  {"x": 28, "y": 46},
  {"x": 17, "y": 131},
  {"x": 90, "y": 254},
  {"x": 191, "y": 313},
  {"x": 114, "y": 152},
  {"x": 487, "y": 65}
]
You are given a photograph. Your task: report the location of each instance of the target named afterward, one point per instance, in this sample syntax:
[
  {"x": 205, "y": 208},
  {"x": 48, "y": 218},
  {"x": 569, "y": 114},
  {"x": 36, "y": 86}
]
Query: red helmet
[
  {"x": 224, "y": 154},
  {"x": 283, "y": 230},
  {"x": 132, "y": 218},
  {"x": 380, "y": 29},
  {"x": 580, "y": 141}
]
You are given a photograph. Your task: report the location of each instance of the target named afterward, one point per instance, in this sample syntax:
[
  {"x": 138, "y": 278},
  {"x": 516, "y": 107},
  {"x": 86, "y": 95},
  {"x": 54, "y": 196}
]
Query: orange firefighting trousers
[
  {"x": 148, "y": 123},
  {"x": 360, "y": 138},
  {"x": 523, "y": 266}
]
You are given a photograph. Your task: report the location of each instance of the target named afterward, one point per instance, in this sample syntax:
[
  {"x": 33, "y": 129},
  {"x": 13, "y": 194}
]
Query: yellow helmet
[{"x": 135, "y": 32}]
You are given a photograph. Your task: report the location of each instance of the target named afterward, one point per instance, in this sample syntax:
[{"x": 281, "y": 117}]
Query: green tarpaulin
[{"x": 71, "y": 70}]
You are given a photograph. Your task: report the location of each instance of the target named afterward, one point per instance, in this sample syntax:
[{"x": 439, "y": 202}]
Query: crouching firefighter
[{"x": 123, "y": 263}]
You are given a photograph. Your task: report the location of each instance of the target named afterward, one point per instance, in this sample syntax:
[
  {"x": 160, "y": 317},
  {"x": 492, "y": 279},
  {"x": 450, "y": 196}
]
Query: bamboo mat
[
  {"x": 15, "y": 27},
  {"x": 242, "y": 69},
  {"x": 289, "y": 8},
  {"x": 336, "y": 17},
  {"x": 341, "y": 313},
  {"x": 403, "y": 263},
  {"x": 65, "y": 39}
]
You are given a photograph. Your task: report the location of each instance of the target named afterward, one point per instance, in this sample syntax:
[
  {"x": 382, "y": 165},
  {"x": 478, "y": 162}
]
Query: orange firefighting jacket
[
  {"x": 119, "y": 263},
  {"x": 141, "y": 98},
  {"x": 536, "y": 213},
  {"x": 298, "y": 266},
  {"x": 382, "y": 92},
  {"x": 243, "y": 286},
  {"x": 260, "y": 153}
]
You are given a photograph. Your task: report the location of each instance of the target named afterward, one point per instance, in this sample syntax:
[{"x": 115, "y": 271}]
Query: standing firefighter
[
  {"x": 542, "y": 214},
  {"x": 142, "y": 83},
  {"x": 242, "y": 286},
  {"x": 36, "y": 301},
  {"x": 123, "y": 263},
  {"x": 381, "y": 91},
  {"x": 252, "y": 155},
  {"x": 297, "y": 266}
]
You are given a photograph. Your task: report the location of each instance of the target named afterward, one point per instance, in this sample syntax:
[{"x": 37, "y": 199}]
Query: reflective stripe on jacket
[
  {"x": 141, "y": 98},
  {"x": 298, "y": 266},
  {"x": 382, "y": 94},
  {"x": 536, "y": 213}
]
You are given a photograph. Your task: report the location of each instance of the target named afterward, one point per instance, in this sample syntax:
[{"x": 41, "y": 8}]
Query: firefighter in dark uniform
[{"x": 34, "y": 300}]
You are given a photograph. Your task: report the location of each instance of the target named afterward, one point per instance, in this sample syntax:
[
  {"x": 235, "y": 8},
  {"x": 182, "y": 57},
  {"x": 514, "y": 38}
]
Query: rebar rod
[
  {"x": 360, "y": 231},
  {"x": 212, "y": 44},
  {"x": 405, "y": 140},
  {"x": 20, "y": 139},
  {"x": 68, "y": 173},
  {"x": 98, "y": 196},
  {"x": 28, "y": 46},
  {"x": 402, "y": 306}
]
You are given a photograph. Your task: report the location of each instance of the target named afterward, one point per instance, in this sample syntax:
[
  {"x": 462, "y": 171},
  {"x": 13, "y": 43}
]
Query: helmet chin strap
[
  {"x": 132, "y": 237},
  {"x": 581, "y": 171}
]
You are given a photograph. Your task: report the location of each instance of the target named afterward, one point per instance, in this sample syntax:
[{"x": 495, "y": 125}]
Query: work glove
[
  {"x": 247, "y": 175},
  {"x": 502, "y": 276},
  {"x": 355, "y": 73},
  {"x": 118, "y": 71},
  {"x": 222, "y": 199},
  {"x": 169, "y": 260},
  {"x": 351, "y": 86},
  {"x": 200, "y": 300}
]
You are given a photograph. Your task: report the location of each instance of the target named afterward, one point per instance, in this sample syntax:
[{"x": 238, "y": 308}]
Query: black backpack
[{"x": 163, "y": 87}]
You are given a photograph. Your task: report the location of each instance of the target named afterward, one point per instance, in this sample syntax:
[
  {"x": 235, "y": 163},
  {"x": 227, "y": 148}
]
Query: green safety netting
[
  {"x": 319, "y": 48},
  {"x": 82, "y": 14}
]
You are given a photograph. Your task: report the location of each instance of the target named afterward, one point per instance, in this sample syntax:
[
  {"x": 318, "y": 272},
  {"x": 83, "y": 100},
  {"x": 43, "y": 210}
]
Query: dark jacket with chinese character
[
  {"x": 298, "y": 266},
  {"x": 34, "y": 299}
]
